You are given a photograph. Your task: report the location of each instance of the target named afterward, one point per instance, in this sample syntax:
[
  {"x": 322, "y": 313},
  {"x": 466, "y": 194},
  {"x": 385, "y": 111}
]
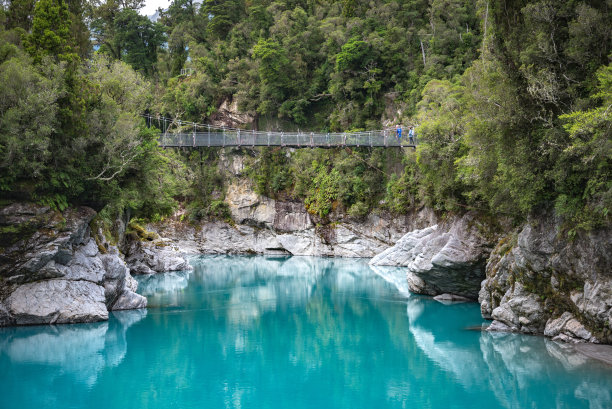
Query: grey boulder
[
  {"x": 57, "y": 271},
  {"x": 446, "y": 258}
]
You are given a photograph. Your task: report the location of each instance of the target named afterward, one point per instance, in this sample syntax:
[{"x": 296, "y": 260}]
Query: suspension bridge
[{"x": 176, "y": 133}]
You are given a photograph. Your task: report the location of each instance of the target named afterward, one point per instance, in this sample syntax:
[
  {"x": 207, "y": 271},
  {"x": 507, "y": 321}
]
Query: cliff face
[
  {"x": 539, "y": 282},
  {"x": 262, "y": 225},
  {"x": 449, "y": 257},
  {"x": 53, "y": 269},
  {"x": 286, "y": 228},
  {"x": 533, "y": 280}
]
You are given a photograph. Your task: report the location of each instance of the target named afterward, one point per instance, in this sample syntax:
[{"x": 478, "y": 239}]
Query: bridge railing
[
  {"x": 232, "y": 137},
  {"x": 176, "y": 133}
]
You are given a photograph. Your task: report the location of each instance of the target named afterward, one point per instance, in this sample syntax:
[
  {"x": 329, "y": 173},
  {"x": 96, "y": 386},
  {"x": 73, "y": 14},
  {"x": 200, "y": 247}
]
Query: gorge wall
[
  {"x": 55, "y": 270},
  {"x": 263, "y": 225},
  {"x": 531, "y": 279},
  {"x": 540, "y": 282}
]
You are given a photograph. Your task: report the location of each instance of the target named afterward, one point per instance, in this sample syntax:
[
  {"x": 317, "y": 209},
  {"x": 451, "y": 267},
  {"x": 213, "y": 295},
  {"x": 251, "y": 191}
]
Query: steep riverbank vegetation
[{"x": 512, "y": 103}]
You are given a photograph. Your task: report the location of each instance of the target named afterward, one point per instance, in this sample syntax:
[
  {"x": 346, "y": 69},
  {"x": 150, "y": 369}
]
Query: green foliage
[
  {"x": 219, "y": 210},
  {"x": 441, "y": 114},
  {"x": 402, "y": 192},
  {"x": 271, "y": 173},
  {"x": 137, "y": 40},
  {"x": 204, "y": 191},
  {"x": 512, "y": 123},
  {"x": 50, "y": 31},
  {"x": 351, "y": 181},
  {"x": 122, "y": 33},
  {"x": 273, "y": 73},
  {"x": 19, "y": 14},
  {"x": 222, "y": 14},
  {"x": 74, "y": 134},
  {"x": 28, "y": 109},
  {"x": 317, "y": 65},
  {"x": 582, "y": 171},
  {"x": 323, "y": 194},
  {"x": 352, "y": 56}
]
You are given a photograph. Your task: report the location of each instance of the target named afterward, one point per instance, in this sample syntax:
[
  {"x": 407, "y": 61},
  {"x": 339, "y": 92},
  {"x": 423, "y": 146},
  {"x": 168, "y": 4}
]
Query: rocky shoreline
[
  {"x": 54, "y": 269},
  {"x": 528, "y": 279}
]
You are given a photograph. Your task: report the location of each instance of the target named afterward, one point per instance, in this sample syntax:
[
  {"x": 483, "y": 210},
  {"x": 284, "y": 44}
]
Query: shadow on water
[{"x": 299, "y": 332}]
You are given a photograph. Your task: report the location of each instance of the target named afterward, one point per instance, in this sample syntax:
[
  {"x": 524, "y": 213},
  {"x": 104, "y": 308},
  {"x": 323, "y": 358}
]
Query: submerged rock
[
  {"x": 82, "y": 351},
  {"x": 54, "y": 271},
  {"x": 450, "y": 298},
  {"x": 539, "y": 282},
  {"x": 446, "y": 258}
]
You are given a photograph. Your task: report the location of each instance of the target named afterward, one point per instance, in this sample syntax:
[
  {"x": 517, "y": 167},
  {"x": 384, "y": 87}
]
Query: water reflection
[
  {"x": 255, "y": 285},
  {"x": 299, "y": 332},
  {"x": 162, "y": 283},
  {"x": 76, "y": 349},
  {"x": 395, "y": 276},
  {"x": 524, "y": 363},
  {"x": 521, "y": 370}
]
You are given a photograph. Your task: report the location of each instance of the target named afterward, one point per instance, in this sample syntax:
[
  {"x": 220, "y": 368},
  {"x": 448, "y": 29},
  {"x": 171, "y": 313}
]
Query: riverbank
[{"x": 528, "y": 279}]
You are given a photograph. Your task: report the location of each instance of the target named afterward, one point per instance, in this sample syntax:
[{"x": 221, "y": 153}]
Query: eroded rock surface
[
  {"x": 446, "y": 258},
  {"x": 540, "y": 282},
  {"x": 247, "y": 207},
  {"x": 291, "y": 231},
  {"x": 156, "y": 256},
  {"x": 52, "y": 269},
  {"x": 282, "y": 225}
]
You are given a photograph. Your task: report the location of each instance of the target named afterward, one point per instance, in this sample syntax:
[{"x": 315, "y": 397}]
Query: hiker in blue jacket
[{"x": 398, "y": 129}]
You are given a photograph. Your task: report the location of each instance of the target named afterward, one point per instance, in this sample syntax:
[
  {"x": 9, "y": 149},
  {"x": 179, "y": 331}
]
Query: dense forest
[{"x": 511, "y": 101}]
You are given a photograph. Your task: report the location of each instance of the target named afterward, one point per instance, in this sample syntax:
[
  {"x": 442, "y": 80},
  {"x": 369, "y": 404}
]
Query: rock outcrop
[
  {"x": 263, "y": 225},
  {"x": 228, "y": 114},
  {"x": 539, "y": 282},
  {"x": 286, "y": 228},
  {"x": 53, "y": 270},
  {"x": 446, "y": 258},
  {"x": 156, "y": 256},
  {"x": 247, "y": 207}
]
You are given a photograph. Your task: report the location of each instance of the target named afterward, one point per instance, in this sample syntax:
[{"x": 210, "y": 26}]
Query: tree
[
  {"x": 78, "y": 29},
  {"x": 50, "y": 31},
  {"x": 20, "y": 14},
  {"x": 583, "y": 170},
  {"x": 274, "y": 73},
  {"x": 104, "y": 14},
  {"x": 441, "y": 134},
  {"x": 28, "y": 118},
  {"x": 222, "y": 15},
  {"x": 137, "y": 40}
]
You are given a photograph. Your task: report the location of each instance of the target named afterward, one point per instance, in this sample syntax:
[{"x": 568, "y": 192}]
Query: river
[{"x": 291, "y": 332}]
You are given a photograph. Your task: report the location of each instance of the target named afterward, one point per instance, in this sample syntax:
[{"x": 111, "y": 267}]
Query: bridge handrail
[{"x": 176, "y": 130}]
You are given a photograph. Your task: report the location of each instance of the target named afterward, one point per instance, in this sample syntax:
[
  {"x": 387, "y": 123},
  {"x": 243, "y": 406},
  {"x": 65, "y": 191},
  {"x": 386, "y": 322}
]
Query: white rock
[{"x": 57, "y": 302}]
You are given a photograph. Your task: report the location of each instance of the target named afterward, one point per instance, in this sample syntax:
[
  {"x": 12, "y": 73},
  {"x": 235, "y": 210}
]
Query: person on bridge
[
  {"x": 398, "y": 129},
  {"x": 411, "y": 135}
]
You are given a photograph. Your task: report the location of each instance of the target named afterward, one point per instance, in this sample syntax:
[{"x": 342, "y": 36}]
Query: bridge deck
[{"x": 291, "y": 139}]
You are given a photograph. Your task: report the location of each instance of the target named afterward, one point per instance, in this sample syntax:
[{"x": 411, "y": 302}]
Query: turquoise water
[{"x": 265, "y": 332}]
